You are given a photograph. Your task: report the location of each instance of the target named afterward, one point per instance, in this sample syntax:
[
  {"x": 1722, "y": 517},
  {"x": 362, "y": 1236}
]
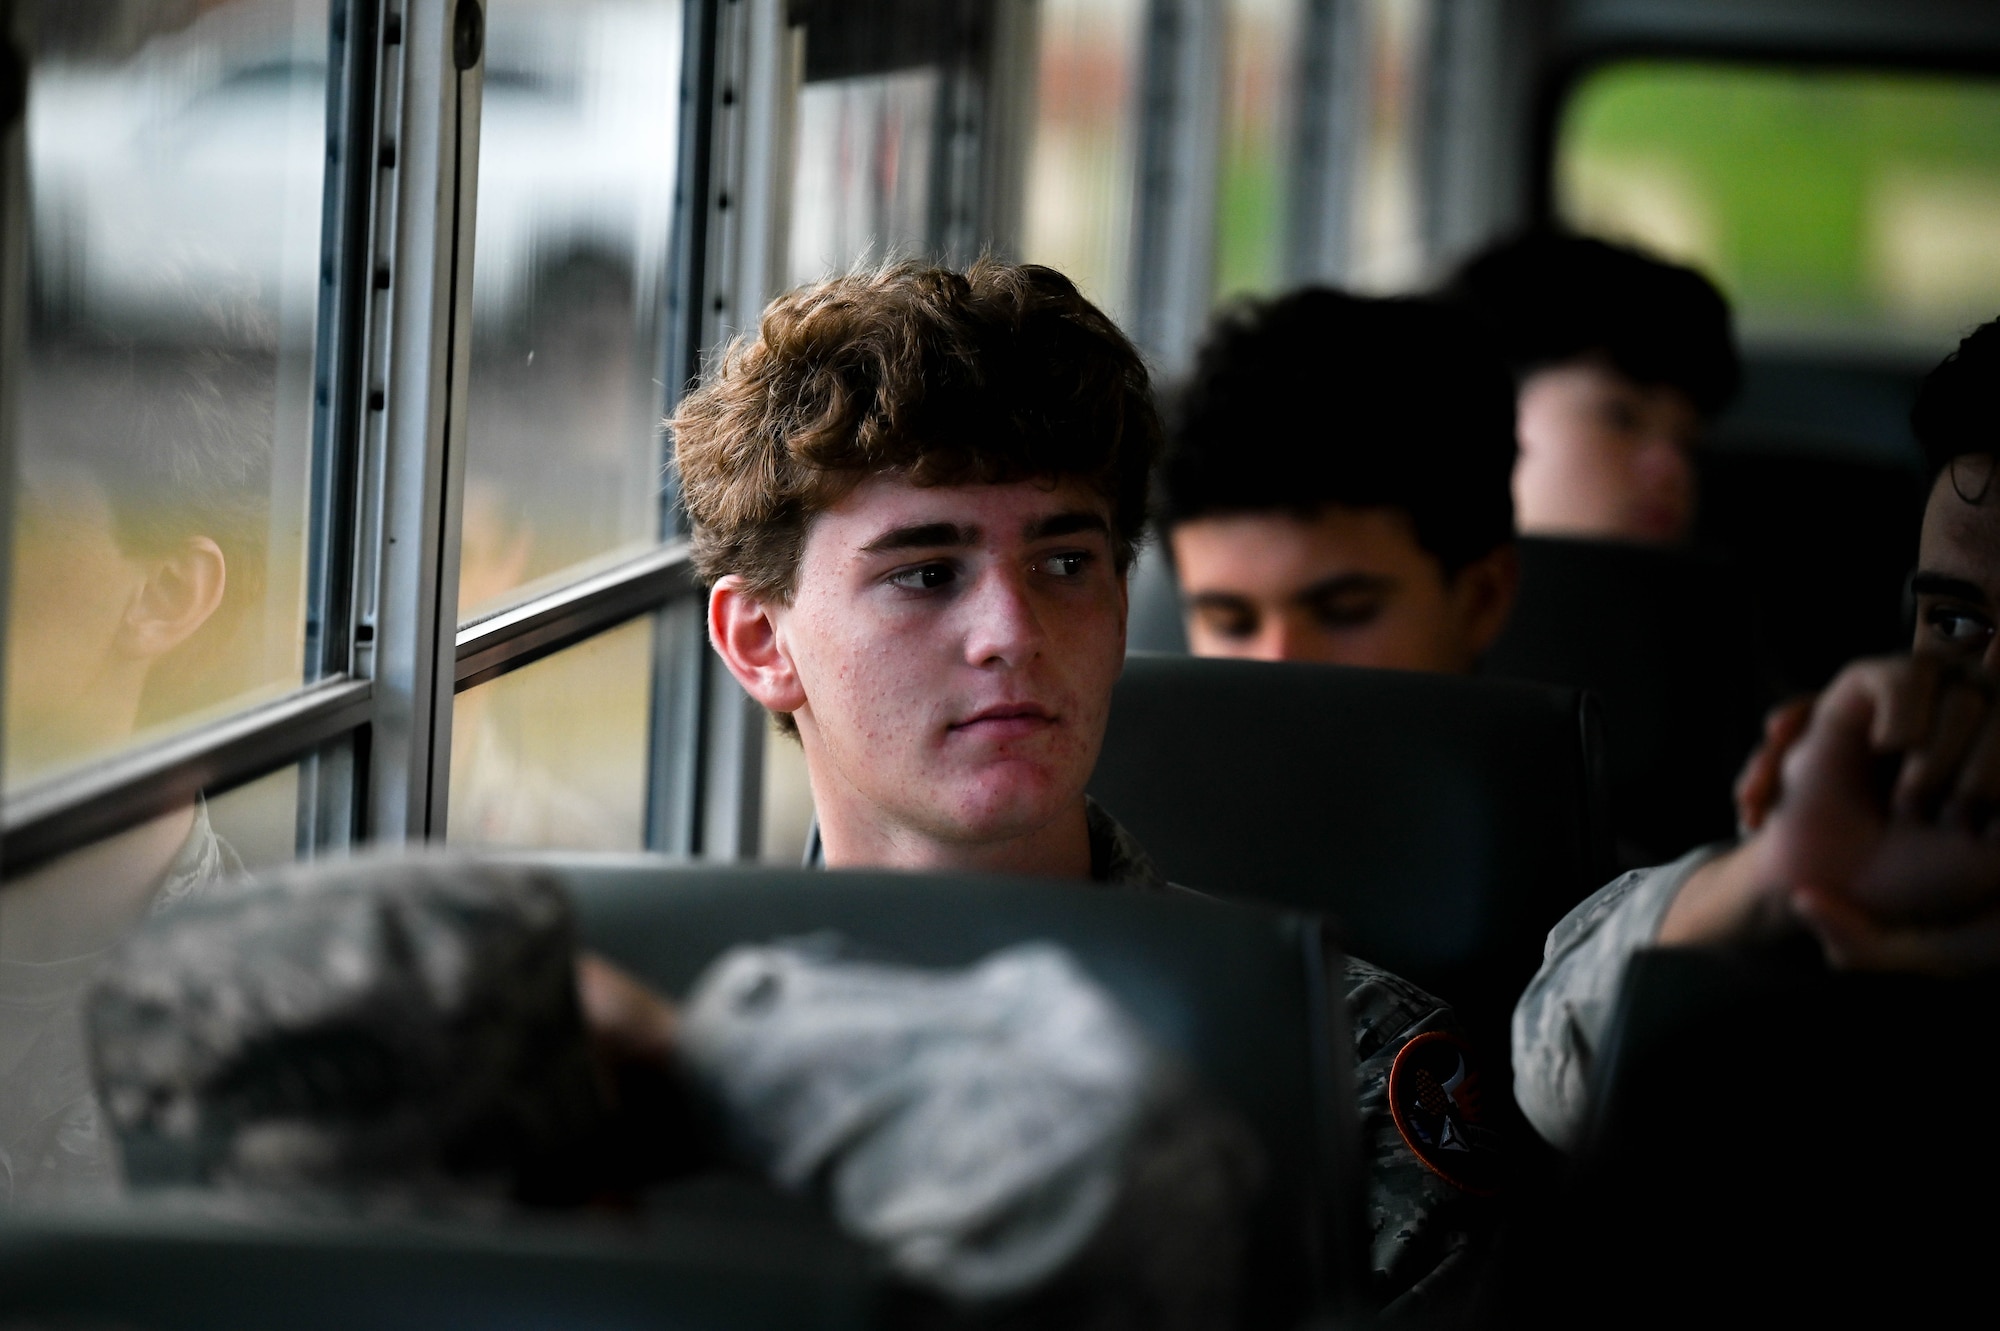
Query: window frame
[{"x": 385, "y": 653}]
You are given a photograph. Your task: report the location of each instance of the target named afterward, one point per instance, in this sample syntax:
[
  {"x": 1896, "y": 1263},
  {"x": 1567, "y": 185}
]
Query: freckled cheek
[{"x": 873, "y": 687}]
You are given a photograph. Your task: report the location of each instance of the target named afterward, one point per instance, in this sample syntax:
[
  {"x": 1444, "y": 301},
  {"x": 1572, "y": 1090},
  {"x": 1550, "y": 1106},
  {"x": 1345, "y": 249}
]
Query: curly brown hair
[{"x": 998, "y": 374}]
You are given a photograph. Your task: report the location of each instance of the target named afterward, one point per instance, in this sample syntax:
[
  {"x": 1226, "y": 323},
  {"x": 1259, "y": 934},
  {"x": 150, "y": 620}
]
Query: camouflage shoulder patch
[{"x": 1434, "y": 1095}]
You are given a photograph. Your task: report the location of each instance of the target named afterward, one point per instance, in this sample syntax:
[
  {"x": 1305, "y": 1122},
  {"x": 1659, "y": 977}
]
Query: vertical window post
[
  {"x": 13, "y": 276},
  {"x": 1480, "y": 92},
  {"x": 416, "y": 399},
  {"x": 706, "y": 795},
  {"x": 1331, "y": 115},
  {"x": 1173, "y": 225}
]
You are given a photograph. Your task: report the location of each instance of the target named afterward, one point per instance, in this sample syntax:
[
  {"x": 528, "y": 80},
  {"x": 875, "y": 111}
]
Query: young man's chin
[{"x": 998, "y": 806}]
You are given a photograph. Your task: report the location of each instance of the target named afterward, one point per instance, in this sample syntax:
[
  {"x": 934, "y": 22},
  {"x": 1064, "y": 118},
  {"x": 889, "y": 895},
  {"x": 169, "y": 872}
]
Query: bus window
[
  {"x": 862, "y": 187},
  {"x": 166, "y": 395},
  {"x": 577, "y": 149},
  {"x": 554, "y": 754},
  {"x": 1083, "y": 146},
  {"x": 1250, "y": 216},
  {"x": 786, "y": 811},
  {"x": 1841, "y": 210}
]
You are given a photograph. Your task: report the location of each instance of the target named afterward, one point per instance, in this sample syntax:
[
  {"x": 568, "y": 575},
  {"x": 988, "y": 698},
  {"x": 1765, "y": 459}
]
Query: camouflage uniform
[
  {"x": 1561, "y": 1019},
  {"x": 400, "y": 1033},
  {"x": 1424, "y": 1232},
  {"x": 53, "y": 1142}
]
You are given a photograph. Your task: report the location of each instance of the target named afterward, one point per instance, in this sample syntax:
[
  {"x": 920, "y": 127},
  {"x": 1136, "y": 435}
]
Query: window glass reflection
[
  {"x": 57, "y": 922},
  {"x": 554, "y": 754},
  {"x": 175, "y": 162},
  {"x": 576, "y": 189}
]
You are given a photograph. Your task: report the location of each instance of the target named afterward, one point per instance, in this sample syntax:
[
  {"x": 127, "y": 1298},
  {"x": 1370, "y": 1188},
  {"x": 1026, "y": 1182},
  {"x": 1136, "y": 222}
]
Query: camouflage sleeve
[
  {"x": 1425, "y": 1232},
  {"x": 1561, "y": 1018}
]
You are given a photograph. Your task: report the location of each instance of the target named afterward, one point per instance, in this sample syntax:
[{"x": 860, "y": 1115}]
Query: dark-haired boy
[
  {"x": 1902, "y": 877},
  {"x": 1621, "y": 360},
  {"x": 915, "y": 496},
  {"x": 1336, "y": 488}
]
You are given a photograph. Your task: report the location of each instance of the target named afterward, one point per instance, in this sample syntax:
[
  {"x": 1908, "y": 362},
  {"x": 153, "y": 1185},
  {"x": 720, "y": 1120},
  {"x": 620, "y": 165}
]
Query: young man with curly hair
[{"x": 914, "y": 497}]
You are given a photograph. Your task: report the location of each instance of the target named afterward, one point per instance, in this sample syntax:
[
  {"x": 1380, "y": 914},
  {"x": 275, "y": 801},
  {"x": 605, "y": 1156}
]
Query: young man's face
[
  {"x": 1957, "y": 584},
  {"x": 1603, "y": 457},
  {"x": 1349, "y": 586},
  {"x": 956, "y": 648}
]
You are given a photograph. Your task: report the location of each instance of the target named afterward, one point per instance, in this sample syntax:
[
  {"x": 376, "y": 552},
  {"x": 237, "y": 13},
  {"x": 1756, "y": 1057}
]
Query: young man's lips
[{"x": 1006, "y": 721}]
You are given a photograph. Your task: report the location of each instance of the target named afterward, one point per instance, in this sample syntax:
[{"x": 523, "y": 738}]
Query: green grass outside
[{"x": 1787, "y": 161}]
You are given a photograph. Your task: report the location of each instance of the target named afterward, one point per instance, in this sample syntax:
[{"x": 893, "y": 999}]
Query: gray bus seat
[
  {"x": 1769, "y": 1136},
  {"x": 1239, "y": 993},
  {"x": 1445, "y": 823},
  {"x": 1668, "y": 644},
  {"x": 148, "y": 1268}
]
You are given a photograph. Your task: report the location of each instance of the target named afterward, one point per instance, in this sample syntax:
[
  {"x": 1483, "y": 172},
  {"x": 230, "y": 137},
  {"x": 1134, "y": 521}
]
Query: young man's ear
[
  {"x": 177, "y": 598},
  {"x": 1485, "y": 591},
  {"x": 744, "y": 629}
]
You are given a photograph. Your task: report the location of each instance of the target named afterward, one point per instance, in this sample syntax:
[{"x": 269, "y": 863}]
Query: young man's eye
[
  {"x": 1348, "y": 612},
  {"x": 1956, "y": 627},
  {"x": 1068, "y": 564},
  {"x": 923, "y": 577},
  {"x": 1227, "y": 621}
]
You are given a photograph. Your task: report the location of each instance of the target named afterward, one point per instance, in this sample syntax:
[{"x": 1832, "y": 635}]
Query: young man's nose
[
  {"x": 1278, "y": 638},
  {"x": 1003, "y": 627}
]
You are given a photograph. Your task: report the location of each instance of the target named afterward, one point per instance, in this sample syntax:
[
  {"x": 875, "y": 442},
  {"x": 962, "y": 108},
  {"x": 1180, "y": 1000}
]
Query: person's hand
[
  {"x": 1854, "y": 940},
  {"x": 1886, "y": 833},
  {"x": 1875, "y": 813},
  {"x": 654, "y": 1131},
  {"x": 628, "y": 1023},
  {"x": 1757, "y": 785}
]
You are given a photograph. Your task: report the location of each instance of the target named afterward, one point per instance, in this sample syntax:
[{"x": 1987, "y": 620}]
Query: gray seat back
[
  {"x": 1668, "y": 643},
  {"x": 161, "y": 1270},
  {"x": 1445, "y": 823},
  {"x": 1238, "y": 993},
  {"x": 1770, "y": 1138}
]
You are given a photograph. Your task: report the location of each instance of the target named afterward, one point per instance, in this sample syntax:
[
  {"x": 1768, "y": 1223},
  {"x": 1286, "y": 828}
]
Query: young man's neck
[{"x": 855, "y": 838}]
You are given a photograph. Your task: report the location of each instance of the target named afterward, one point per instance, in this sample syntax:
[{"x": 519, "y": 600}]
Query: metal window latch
[{"x": 468, "y": 33}]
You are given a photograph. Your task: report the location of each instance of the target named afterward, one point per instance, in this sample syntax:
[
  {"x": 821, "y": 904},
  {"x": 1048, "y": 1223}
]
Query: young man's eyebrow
[
  {"x": 924, "y": 536},
  {"x": 1924, "y": 583},
  {"x": 1065, "y": 524},
  {"x": 1215, "y": 601}
]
